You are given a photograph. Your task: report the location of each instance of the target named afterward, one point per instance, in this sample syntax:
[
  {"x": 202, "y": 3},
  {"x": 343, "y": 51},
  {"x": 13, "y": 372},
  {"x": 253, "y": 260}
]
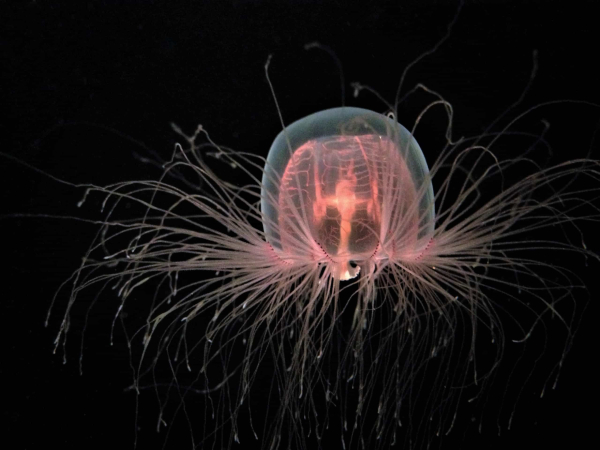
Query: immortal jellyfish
[{"x": 328, "y": 291}]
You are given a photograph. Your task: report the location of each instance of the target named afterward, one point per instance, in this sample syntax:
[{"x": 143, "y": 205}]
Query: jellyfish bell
[{"x": 346, "y": 187}]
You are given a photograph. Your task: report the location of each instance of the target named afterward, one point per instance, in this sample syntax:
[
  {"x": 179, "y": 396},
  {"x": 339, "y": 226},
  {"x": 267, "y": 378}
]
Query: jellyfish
[
  {"x": 338, "y": 286},
  {"x": 392, "y": 271}
]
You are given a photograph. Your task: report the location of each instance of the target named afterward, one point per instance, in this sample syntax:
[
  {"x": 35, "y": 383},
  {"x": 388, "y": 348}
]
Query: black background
[{"x": 85, "y": 87}]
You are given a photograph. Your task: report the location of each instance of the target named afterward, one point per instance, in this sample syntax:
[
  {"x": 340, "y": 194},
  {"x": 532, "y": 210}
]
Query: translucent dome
[{"x": 351, "y": 182}]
